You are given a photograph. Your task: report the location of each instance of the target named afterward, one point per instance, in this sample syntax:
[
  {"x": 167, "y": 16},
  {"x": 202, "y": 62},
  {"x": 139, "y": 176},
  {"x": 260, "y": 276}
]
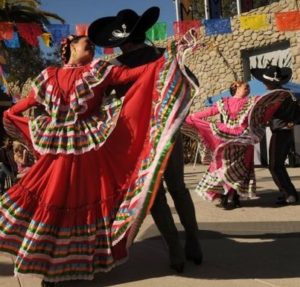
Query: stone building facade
[{"x": 225, "y": 58}]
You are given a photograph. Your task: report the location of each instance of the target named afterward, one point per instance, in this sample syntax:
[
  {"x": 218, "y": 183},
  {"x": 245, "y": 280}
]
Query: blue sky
[{"x": 78, "y": 11}]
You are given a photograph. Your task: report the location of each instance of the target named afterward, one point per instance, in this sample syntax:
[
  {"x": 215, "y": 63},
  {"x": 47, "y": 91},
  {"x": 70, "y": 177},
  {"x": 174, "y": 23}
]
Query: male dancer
[
  {"x": 281, "y": 126},
  {"x": 127, "y": 31}
]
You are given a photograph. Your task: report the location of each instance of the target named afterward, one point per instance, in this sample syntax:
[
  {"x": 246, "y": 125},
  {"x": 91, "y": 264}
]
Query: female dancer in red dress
[
  {"x": 56, "y": 220},
  {"x": 100, "y": 159}
]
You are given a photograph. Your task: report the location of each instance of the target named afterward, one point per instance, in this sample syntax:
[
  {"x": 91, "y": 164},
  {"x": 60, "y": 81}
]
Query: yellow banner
[
  {"x": 254, "y": 22},
  {"x": 47, "y": 39}
]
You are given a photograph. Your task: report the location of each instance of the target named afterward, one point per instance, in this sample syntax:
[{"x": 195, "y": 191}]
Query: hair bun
[{"x": 65, "y": 47}]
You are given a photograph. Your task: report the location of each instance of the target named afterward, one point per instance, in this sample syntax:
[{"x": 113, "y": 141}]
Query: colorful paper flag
[
  {"x": 181, "y": 27},
  {"x": 288, "y": 21},
  {"x": 81, "y": 29},
  {"x": 13, "y": 43},
  {"x": 217, "y": 26},
  {"x": 6, "y": 30},
  {"x": 157, "y": 32},
  {"x": 108, "y": 51},
  {"x": 254, "y": 22},
  {"x": 3, "y": 80},
  {"x": 58, "y": 31},
  {"x": 29, "y": 32},
  {"x": 98, "y": 52},
  {"x": 47, "y": 39}
]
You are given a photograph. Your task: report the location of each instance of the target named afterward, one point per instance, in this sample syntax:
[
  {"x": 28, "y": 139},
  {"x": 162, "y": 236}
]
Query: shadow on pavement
[
  {"x": 268, "y": 178},
  {"x": 6, "y": 269},
  {"x": 226, "y": 256},
  {"x": 265, "y": 199}
]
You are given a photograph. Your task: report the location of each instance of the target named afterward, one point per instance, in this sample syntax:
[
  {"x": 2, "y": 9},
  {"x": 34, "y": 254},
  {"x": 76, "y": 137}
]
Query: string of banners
[{"x": 52, "y": 34}]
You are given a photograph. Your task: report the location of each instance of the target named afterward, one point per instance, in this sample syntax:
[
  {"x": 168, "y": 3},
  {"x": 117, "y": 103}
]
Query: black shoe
[
  {"x": 236, "y": 200},
  {"x": 176, "y": 257},
  {"x": 291, "y": 199},
  {"x": 48, "y": 284},
  {"x": 223, "y": 201},
  {"x": 178, "y": 267},
  {"x": 193, "y": 251}
]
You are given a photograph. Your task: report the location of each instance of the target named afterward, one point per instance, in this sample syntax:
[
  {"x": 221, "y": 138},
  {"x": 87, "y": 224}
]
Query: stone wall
[{"x": 218, "y": 63}]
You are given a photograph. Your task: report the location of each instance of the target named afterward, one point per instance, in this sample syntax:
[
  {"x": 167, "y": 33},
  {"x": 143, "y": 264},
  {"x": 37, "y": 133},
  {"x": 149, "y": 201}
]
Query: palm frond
[
  {"x": 18, "y": 13},
  {"x": 31, "y": 3}
]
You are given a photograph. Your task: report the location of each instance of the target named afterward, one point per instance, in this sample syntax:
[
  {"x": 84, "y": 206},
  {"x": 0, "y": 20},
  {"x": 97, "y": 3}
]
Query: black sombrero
[
  {"x": 272, "y": 75},
  {"x": 116, "y": 30}
]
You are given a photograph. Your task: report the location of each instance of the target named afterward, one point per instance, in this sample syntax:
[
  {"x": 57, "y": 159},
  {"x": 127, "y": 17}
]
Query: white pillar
[
  {"x": 177, "y": 9},
  {"x": 238, "y": 6},
  {"x": 206, "y": 9}
]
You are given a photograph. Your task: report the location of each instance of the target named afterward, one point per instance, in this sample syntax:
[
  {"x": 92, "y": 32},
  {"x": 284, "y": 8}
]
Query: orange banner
[{"x": 288, "y": 21}]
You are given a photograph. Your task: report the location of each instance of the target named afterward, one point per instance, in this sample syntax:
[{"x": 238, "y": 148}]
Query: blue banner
[
  {"x": 217, "y": 26},
  {"x": 98, "y": 52},
  {"x": 58, "y": 31},
  {"x": 14, "y": 42}
]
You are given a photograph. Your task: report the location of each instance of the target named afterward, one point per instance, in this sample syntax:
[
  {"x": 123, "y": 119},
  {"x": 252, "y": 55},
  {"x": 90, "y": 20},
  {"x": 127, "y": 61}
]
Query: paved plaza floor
[{"x": 257, "y": 245}]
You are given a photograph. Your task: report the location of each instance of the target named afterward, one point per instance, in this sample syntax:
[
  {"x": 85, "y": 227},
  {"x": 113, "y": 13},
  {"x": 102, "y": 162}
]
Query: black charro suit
[{"x": 174, "y": 179}]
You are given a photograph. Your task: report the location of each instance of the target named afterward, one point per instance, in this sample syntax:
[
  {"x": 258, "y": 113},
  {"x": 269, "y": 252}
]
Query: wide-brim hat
[
  {"x": 272, "y": 75},
  {"x": 116, "y": 30}
]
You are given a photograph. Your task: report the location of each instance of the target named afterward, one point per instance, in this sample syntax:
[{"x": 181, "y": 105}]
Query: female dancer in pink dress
[{"x": 231, "y": 172}]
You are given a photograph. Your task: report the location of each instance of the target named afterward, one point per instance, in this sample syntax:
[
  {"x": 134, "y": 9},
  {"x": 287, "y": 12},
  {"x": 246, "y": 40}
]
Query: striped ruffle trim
[
  {"x": 57, "y": 254},
  {"x": 50, "y": 96},
  {"x": 225, "y": 136},
  {"x": 240, "y": 117},
  {"x": 256, "y": 119},
  {"x": 80, "y": 137},
  {"x": 169, "y": 113},
  {"x": 220, "y": 180}
]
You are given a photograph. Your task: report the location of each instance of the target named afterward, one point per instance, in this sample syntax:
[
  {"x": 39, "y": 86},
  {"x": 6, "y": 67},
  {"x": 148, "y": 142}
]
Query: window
[{"x": 228, "y": 7}]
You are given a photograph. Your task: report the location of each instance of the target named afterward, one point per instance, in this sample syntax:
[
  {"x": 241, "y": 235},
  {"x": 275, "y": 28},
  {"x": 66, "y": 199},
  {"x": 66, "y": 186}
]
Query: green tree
[
  {"x": 26, "y": 11},
  {"x": 27, "y": 61}
]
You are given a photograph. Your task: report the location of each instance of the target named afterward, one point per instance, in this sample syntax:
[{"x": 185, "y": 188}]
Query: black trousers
[
  {"x": 280, "y": 145},
  {"x": 161, "y": 212}
]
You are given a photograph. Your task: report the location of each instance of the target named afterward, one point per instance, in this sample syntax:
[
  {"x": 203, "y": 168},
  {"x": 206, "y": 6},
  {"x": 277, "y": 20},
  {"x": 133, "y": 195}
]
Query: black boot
[
  {"x": 193, "y": 251},
  {"x": 48, "y": 284},
  {"x": 163, "y": 219},
  {"x": 236, "y": 200},
  {"x": 223, "y": 201},
  {"x": 176, "y": 255}
]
